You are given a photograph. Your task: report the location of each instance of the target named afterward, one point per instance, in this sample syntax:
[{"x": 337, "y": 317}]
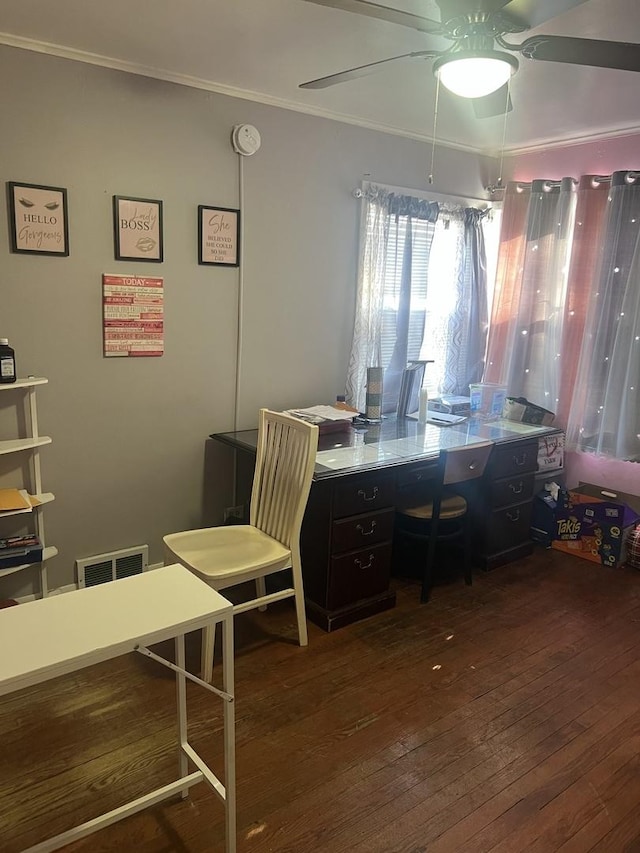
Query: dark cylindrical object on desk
[{"x": 373, "y": 401}]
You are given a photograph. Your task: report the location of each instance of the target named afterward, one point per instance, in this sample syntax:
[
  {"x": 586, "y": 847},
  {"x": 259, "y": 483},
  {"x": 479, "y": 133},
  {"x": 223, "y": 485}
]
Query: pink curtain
[
  {"x": 506, "y": 298},
  {"x": 528, "y": 312},
  {"x": 604, "y": 415},
  {"x": 565, "y": 328},
  {"x": 587, "y": 243}
]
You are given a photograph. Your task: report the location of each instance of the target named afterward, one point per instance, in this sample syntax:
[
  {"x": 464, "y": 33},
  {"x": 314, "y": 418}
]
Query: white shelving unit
[{"x": 31, "y": 443}]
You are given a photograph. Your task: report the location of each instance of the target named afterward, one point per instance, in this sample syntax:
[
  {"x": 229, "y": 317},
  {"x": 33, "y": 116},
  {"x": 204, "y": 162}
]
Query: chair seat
[
  {"x": 452, "y": 506},
  {"x": 221, "y": 552}
]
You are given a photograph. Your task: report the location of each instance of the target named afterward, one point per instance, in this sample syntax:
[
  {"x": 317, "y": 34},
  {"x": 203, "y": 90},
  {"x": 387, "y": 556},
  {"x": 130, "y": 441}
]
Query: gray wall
[{"x": 127, "y": 459}]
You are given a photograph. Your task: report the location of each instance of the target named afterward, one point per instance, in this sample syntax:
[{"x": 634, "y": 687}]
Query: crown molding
[
  {"x": 221, "y": 89},
  {"x": 568, "y": 141},
  {"x": 282, "y": 103}
]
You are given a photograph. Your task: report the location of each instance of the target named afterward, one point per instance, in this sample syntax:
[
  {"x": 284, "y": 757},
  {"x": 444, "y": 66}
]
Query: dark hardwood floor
[{"x": 501, "y": 717}]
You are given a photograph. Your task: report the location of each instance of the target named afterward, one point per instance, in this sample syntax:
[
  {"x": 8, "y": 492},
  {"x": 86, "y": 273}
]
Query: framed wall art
[
  {"x": 38, "y": 219},
  {"x": 218, "y": 236},
  {"x": 137, "y": 228},
  {"x": 133, "y": 321}
]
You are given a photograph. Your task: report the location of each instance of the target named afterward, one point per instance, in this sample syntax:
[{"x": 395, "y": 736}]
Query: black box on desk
[{"x": 20, "y": 550}]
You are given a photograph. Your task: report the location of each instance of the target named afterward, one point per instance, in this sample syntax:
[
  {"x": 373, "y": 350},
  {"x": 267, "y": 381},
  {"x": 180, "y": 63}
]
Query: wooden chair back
[{"x": 285, "y": 460}]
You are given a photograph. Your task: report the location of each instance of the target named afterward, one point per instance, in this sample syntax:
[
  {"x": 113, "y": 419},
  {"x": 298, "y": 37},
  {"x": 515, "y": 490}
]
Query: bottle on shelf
[{"x": 7, "y": 362}]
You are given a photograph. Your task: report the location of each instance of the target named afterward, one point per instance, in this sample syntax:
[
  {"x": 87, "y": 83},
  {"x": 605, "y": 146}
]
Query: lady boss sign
[{"x": 137, "y": 227}]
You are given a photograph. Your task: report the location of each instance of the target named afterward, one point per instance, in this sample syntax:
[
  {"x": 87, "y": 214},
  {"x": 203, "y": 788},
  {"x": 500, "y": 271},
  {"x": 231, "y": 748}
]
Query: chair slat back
[
  {"x": 285, "y": 461},
  {"x": 466, "y": 463}
]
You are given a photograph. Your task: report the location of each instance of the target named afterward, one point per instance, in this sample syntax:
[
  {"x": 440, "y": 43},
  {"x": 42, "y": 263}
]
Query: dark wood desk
[{"x": 347, "y": 533}]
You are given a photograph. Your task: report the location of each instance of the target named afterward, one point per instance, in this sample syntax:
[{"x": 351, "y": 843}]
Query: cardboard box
[{"x": 593, "y": 523}]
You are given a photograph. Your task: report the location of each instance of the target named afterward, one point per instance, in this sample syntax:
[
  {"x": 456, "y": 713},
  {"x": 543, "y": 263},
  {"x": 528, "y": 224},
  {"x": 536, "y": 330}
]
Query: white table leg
[
  {"x": 229, "y": 735},
  {"x": 181, "y": 698}
]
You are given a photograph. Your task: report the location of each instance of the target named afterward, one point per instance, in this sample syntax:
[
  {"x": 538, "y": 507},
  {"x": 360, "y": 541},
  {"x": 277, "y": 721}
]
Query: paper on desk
[{"x": 327, "y": 413}]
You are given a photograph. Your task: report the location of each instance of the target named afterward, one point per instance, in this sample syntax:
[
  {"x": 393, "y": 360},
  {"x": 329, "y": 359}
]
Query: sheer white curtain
[
  {"x": 525, "y": 337},
  {"x": 605, "y": 408},
  {"x": 395, "y": 239},
  {"x": 565, "y": 325},
  {"x": 456, "y": 302},
  {"x": 422, "y": 294},
  {"x": 372, "y": 262}
]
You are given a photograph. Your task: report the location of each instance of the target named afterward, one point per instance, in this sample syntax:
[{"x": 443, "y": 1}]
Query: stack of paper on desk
[{"x": 326, "y": 418}]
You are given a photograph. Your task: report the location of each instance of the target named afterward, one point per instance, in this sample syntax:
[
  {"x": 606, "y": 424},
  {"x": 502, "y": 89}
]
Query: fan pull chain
[
  {"x": 504, "y": 132},
  {"x": 433, "y": 135}
]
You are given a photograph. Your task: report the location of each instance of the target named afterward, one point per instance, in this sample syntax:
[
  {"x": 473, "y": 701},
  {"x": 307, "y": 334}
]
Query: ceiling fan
[{"x": 472, "y": 66}]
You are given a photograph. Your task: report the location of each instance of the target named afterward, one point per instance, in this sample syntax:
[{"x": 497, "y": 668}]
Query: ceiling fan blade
[
  {"x": 494, "y": 104},
  {"x": 602, "y": 54},
  {"x": 363, "y": 70},
  {"x": 532, "y": 13},
  {"x": 384, "y": 13}
]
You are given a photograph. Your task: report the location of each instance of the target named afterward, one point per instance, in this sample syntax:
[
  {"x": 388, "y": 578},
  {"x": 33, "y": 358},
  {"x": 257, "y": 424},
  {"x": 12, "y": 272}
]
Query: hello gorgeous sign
[{"x": 38, "y": 219}]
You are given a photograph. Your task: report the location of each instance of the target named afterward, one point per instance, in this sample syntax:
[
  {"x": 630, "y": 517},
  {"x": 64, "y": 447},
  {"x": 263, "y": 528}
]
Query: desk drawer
[
  {"x": 359, "y": 574},
  {"x": 519, "y": 457},
  {"x": 508, "y": 527},
  {"x": 512, "y": 490},
  {"x": 362, "y": 530},
  {"x": 415, "y": 475},
  {"x": 355, "y": 495}
]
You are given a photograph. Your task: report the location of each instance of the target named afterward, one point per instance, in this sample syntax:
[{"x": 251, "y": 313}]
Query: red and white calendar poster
[{"x": 133, "y": 315}]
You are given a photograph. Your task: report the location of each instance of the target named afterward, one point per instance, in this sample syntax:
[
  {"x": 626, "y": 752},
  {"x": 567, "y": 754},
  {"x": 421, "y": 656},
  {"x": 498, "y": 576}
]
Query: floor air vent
[{"x": 103, "y": 568}]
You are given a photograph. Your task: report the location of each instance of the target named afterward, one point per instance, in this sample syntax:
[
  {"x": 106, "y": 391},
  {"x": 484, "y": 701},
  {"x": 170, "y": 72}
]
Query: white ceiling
[{"x": 262, "y": 50}]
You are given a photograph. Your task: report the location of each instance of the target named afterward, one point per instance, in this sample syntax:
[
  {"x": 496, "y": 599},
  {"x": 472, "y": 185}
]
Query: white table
[{"x": 63, "y": 633}]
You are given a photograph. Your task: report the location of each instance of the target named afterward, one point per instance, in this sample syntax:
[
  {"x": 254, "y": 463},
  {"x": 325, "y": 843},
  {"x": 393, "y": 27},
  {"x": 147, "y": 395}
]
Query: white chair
[{"x": 229, "y": 555}]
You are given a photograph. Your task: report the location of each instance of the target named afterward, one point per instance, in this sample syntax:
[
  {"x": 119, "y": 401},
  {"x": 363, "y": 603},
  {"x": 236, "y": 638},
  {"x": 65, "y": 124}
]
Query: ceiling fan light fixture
[{"x": 474, "y": 74}]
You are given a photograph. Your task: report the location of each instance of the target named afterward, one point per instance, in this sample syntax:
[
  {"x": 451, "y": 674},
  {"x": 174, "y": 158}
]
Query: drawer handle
[
  {"x": 364, "y": 532},
  {"x": 362, "y": 494},
  {"x": 520, "y": 460},
  {"x": 514, "y": 516},
  {"x": 518, "y": 490},
  {"x": 372, "y": 560}
]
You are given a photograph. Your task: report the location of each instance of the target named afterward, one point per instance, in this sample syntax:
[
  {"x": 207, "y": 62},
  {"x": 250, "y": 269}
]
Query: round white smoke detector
[{"x": 245, "y": 139}]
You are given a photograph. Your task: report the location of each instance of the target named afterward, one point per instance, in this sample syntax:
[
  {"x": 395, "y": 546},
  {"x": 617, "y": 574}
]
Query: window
[{"x": 422, "y": 294}]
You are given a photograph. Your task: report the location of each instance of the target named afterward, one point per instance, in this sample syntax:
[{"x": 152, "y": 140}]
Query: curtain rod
[
  {"x": 606, "y": 179},
  {"x": 597, "y": 179},
  {"x": 427, "y": 195}
]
